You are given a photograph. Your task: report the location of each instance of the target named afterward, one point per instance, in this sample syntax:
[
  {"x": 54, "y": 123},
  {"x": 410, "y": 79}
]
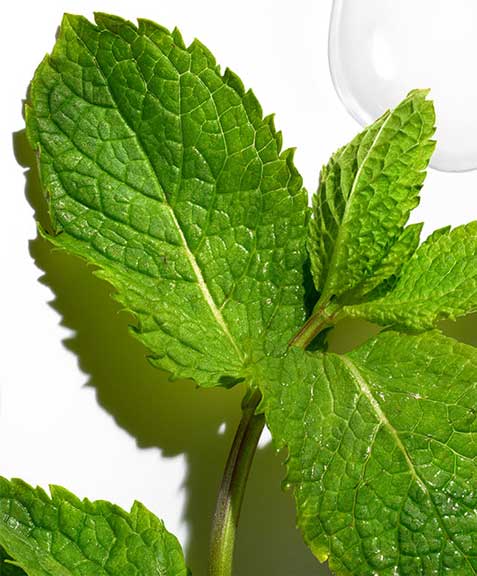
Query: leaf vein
[{"x": 190, "y": 256}]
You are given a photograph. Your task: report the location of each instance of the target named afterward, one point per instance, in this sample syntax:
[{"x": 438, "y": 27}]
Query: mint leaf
[
  {"x": 438, "y": 282},
  {"x": 64, "y": 536},
  {"x": 366, "y": 194},
  {"x": 382, "y": 452},
  {"x": 385, "y": 275},
  {"x": 164, "y": 174}
]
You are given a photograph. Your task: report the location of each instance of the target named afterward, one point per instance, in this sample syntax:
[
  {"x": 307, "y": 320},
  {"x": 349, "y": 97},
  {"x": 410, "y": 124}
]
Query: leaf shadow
[
  {"x": 463, "y": 329},
  {"x": 174, "y": 417}
]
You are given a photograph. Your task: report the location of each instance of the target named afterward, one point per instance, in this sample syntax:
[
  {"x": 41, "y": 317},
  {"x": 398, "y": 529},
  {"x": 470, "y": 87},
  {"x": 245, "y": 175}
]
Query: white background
[{"x": 80, "y": 406}]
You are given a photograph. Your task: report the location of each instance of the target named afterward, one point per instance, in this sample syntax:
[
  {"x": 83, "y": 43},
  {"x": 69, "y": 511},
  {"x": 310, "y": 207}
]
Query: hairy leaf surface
[
  {"x": 382, "y": 446},
  {"x": 366, "y": 194},
  {"x": 438, "y": 282},
  {"x": 164, "y": 174},
  {"x": 64, "y": 536}
]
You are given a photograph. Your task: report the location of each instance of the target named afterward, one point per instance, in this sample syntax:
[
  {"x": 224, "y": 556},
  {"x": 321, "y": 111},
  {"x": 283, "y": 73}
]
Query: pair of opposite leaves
[{"x": 165, "y": 175}]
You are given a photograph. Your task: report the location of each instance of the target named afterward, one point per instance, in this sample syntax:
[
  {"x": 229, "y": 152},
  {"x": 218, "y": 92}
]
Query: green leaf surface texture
[
  {"x": 64, "y": 536},
  {"x": 388, "y": 270},
  {"x": 438, "y": 282},
  {"x": 382, "y": 453},
  {"x": 163, "y": 173},
  {"x": 7, "y": 565},
  {"x": 366, "y": 194}
]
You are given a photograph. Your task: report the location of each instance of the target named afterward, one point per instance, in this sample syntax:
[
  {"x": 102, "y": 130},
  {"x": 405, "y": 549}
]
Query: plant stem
[
  {"x": 232, "y": 489},
  {"x": 308, "y": 331},
  {"x": 237, "y": 468},
  {"x": 323, "y": 315}
]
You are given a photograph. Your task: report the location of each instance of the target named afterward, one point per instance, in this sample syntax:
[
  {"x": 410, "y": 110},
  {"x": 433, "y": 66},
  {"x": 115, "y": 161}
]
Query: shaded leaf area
[
  {"x": 382, "y": 452},
  {"x": 164, "y": 174},
  {"x": 7, "y": 567},
  {"x": 60, "y": 535},
  {"x": 439, "y": 282}
]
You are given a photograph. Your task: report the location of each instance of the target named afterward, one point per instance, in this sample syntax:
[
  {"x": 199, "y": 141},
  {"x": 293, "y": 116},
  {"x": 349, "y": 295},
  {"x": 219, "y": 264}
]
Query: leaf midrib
[
  {"x": 362, "y": 385},
  {"x": 381, "y": 416},
  {"x": 189, "y": 255}
]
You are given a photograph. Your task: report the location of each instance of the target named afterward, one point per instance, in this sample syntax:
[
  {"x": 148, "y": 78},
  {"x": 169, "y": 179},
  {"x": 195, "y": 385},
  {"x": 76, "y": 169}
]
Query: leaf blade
[
  {"x": 438, "y": 282},
  {"x": 163, "y": 172},
  {"x": 381, "y": 452},
  {"x": 366, "y": 193},
  {"x": 63, "y": 536},
  {"x": 389, "y": 269}
]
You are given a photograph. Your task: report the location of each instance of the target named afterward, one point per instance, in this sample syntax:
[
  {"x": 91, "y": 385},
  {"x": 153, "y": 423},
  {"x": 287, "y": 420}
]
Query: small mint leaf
[
  {"x": 366, "y": 194},
  {"x": 165, "y": 175},
  {"x": 382, "y": 452},
  {"x": 438, "y": 282},
  {"x": 60, "y": 535},
  {"x": 388, "y": 270}
]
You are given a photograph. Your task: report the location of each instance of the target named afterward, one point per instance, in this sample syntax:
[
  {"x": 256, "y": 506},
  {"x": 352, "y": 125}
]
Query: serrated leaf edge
[{"x": 253, "y": 110}]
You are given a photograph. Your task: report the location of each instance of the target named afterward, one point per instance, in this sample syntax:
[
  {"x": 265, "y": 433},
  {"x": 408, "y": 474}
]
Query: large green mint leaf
[
  {"x": 366, "y": 194},
  {"x": 164, "y": 174},
  {"x": 64, "y": 536},
  {"x": 438, "y": 282},
  {"x": 382, "y": 453}
]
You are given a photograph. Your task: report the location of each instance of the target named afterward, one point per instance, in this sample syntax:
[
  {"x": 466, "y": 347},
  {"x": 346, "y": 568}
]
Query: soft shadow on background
[{"x": 175, "y": 417}]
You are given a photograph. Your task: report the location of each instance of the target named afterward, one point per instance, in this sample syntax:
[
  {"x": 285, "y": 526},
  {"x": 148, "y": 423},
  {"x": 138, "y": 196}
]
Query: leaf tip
[
  {"x": 289, "y": 156},
  {"x": 232, "y": 80},
  {"x": 178, "y": 39},
  {"x": 148, "y": 27},
  {"x": 419, "y": 92}
]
